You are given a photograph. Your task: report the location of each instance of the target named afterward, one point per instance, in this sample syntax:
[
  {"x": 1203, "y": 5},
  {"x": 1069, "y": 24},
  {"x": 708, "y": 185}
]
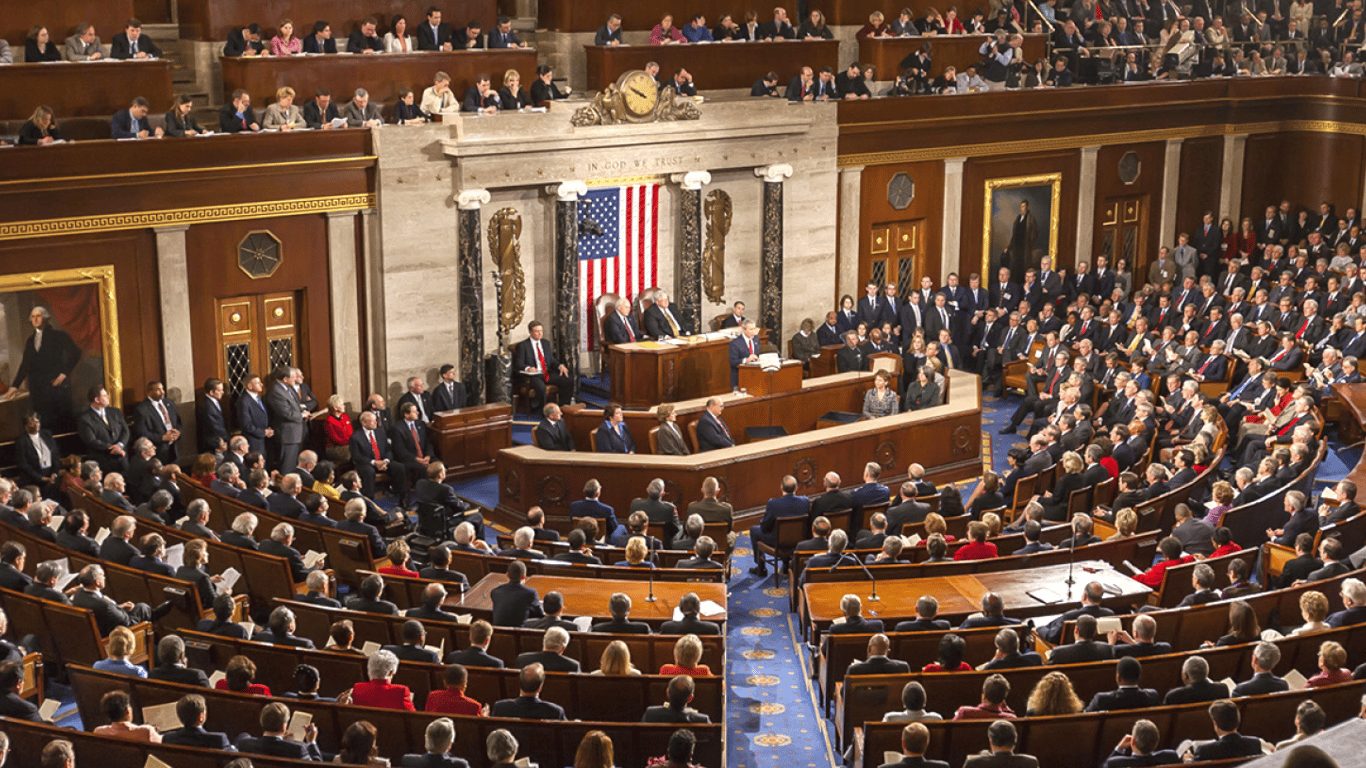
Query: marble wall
[{"x": 520, "y": 159}]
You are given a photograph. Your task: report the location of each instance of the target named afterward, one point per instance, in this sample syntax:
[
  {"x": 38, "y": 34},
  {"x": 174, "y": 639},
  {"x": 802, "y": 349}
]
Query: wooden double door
[
  {"x": 894, "y": 255},
  {"x": 257, "y": 334}
]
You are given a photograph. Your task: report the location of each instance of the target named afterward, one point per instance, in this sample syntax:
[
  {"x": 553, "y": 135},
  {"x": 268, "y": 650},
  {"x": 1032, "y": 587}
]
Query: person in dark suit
[
  {"x": 676, "y": 709},
  {"x": 589, "y": 506},
  {"x": 1086, "y": 648},
  {"x": 852, "y": 608},
  {"x": 915, "y": 740},
  {"x": 788, "y": 505},
  {"x": 1197, "y": 685},
  {"x": 280, "y": 630},
  {"x": 536, "y": 365},
  {"x": 618, "y": 326},
  {"x": 877, "y": 662},
  {"x": 926, "y": 609},
  {"x": 192, "y": 712},
  {"x": 412, "y": 448},
  {"x": 222, "y": 623},
  {"x": 613, "y": 436},
  {"x": 44, "y": 586},
  {"x": 1091, "y": 599},
  {"x": 529, "y": 705},
  {"x": 109, "y": 614},
  {"x": 743, "y": 349},
  {"x": 661, "y": 322},
  {"x": 448, "y": 394},
  {"x": 436, "y": 34},
  {"x": 619, "y": 605},
  {"x": 274, "y": 740},
  {"x": 280, "y": 545},
  {"x": 172, "y": 669},
  {"x": 1001, "y": 735},
  {"x": 246, "y": 41},
  {"x": 476, "y": 653},
  {"x": 434, "y": 496},
  {"x": 157, "y": 419},
  {"x": 440, "y": 737},
  {"x": 104, "y": 432},
  {"x": 514, "y": 602},
  {"x": 212, "y": 428},
  {"x": 48, "y": 359},
  {"x": 657, "y": 510},
  {"x": 712, "y": 433},
  {"x": 1139, "y": 749},
  {"x": 288, "y": 419},
  {"x": 1128, "y": 694},
  {"x": 1265, "y": 657},
  {"x": 1354, "y": 605},
  {"x": 1228, "y": 743},
  {"x": 253, "y": 420},
  {"x": 551, "y": 656},
  {"x": 11, "y": 705},
  {"x": 37, "y": 456},
  {"x": 372, "y": 453},
  {"x": 12, "y": 576},
  {"x": 1008, "y": 655},
  {"x": 690, "y": 606},
  {"x": 552, "y": 434}
]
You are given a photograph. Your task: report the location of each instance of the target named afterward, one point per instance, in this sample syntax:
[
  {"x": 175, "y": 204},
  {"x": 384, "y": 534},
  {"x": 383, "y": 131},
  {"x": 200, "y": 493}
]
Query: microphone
[
  {"x": 654, "y": 563},
  {"x": 873, "y": 598}
]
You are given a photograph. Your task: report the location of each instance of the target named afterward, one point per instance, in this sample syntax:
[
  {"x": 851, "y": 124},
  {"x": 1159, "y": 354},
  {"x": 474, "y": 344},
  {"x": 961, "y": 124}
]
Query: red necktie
[
  {"x": 750, "y": 343},
  {"x": 630, "y": 334},
  {"x": 1206, "y": 365},
  {"x": 374, "y": 446},
  {"x": 1303, "y": 328},
  {"x": 723, "y": 426},
  {"x": 1287, "y": 428},
  {"x": 413, "y": 428},
  {"x": 545, "y": 372},
  {"x": 1054, "y": 385},
  {"x": 1278, "y": 356}
]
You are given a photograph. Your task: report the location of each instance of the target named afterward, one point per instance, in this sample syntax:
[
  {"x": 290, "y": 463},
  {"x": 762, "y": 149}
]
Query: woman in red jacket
[{"x": 337, "y": 428}]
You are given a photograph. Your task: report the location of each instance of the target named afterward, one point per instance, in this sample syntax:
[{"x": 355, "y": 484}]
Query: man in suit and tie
[
  {"x": 192, "y": 712},
  {"x": 618, "y": 327},
  {"x": 418, "y": 396},
  {"x": 435, "y": 35},
  {"x": 253, "y": 419},
  {"x": 1001, "y": 735},
  {"x": 1128, "y": 694},
  {"x": 212, "y": 427},
  {"x": 275, "y": 740},
  {"x": 657, "y": 510},
  {"x": 109, "y": 614},
  {"x": 513, "y": 601},
  {"x": 448, "y": 394},
  {"x": 104, "y": 432},
  {"x": 157, "y": 419},
  {"x": 589, "y": 506},
  {"x": 49, "y": 357},
  {"x": 743, "y": 349},
  {"x": 37, "y": 455},
  {"x": 915, "y": 740},
  {"x": 287, "y": 418},
  {"x": 613, "y": 436},
  {"x": 371, "y": 453},
  {"x": 412, "y": 444},
  {"x": 660, "y": 320},
  {"x": 552, "y": 434},
  {"x": 850, "y": 357},
  {"x": 1228, "y": 743},
  {"x": 789, "y": 504},
  {"x": 711, "y": 429},
  {"x": 538, "y": 367}
]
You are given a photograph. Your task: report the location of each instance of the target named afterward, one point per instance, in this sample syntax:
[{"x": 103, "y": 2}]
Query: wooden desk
[
  {"x": 647, "y": 373},
  {"x": 713, "y": 66},
  {"x": 96, "y": 89},
  {"x": 960, "y": 596},
  {"x": 588, "y": 597},
  {"x": 945, "y": 439},
  {"x": 382, "y": 75},
  {"x": 468, "y": 439},
  {"x": 214, "y": 19},
  {"x": 757, "y": 381},
  {"x": 957, "y": 51},
  {"x": 61, "y": 17}
]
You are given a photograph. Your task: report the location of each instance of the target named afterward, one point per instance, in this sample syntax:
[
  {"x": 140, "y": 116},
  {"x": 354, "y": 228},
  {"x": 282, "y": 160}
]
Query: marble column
[
  {"x": 689, "y": 278},
  {"x": 1231, "y": 184},
  {"x": 177, "y": 347},
  {"x": 951, "y": 253},
  {"x": 1171, "y": 190},
  {"x": 1086, "y": 207},
  {"x": 565, "y": 330},
  {"x": 850, "y": 223},
  {"x": 342, "y": 279},
  {"x": 771, "y": 251},
  {"x": 469, "y": 203}
]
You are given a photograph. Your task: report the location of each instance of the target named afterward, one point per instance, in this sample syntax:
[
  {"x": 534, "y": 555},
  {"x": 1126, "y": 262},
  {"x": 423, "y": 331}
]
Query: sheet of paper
[
  {"x": 837, "y": 620},
  {"x": 1328, "y": 495},
  {"x": 711, "y": 608},
  {"x": 298, "y": 723},
  {"x": 249, "y": 627},
  {"x": 161, "y": 717},
  {"x": 312, "y": 559},
  {"x": 370, "y": 648},
  {"x": 175, "y": 556},
  {"x": 215, "y": 677},
  {"x": 584, "y": 623},
  {"x": 48, "y": 708},
  {"x": 230, "y": 577},
  {"x": 56, "y": 522},
  {"x": 524, "y": 762},
  {"x": 338, "y": 122},
  {"x": 65, "y": 581},
  {"x": 153, "y": 762},
  {"x": 1045, "y": 595},
  {"x": 1106, "y": 624},
  {"x": 911, "y": 541},
  {"x": 891, "y": 758},
  {"x": 1296, "y": 680},
  {"x": 439, "y": 650},
  {"x": 101, "y": 535},
  {"x": 330, "y": 644},
  {"x": 1229, "y": 682}
]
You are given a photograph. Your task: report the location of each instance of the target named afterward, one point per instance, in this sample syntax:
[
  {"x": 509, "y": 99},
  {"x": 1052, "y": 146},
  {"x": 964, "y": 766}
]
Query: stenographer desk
[
  {"x": 945, "y": 439},
  {"x": 960, "y": 596},
  {"x": 588, "y": 597}
]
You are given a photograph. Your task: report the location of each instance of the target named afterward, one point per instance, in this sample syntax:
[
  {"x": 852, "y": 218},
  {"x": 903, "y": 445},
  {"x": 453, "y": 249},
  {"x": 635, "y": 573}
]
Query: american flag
[{"x": 624, "y": 259}]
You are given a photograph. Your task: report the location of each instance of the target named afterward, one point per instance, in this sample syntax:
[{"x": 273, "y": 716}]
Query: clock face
[
  {"x": 259, "y": 254},
  {"x": 900, "y": 191},
  {"x": 639, "y": 93}
]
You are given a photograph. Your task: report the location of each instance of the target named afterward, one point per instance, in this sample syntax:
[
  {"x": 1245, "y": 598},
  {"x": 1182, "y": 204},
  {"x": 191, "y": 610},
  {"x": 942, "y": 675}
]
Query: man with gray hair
[
  {"x": 440, "y": 737},
  {"x": 157, "y": 508},
  {"x": 285, "y": 502},
  {"x": 196, "y": 520},
  {"x": 117, "y": 547},
  {"x": 281, "y": 628},
  {"x": 109, "y": 614},
  {"x": 551, "y": 656},
  {"x": 317, "y": 594},
  {"x": 280, "y": 544},
  {"x": 242, "y": 533},
  {"x": 114, "y": 490},
  {"x": 1197, "y": 685},
  {"x": 619, "y": 605},
  {"x": 1354, "y": 605},
  {"x": 1265, "y": 657},
  {"x": 658, "y": 510},
  {"x": 1303, "y": 519},
  {"x": 501, "y": 747},
  {"x": 522, "y": 539},
  {"x": 44, "y": 586},
  {"x": 360, "y": 113},
  {"x": 171, "y": 664}
]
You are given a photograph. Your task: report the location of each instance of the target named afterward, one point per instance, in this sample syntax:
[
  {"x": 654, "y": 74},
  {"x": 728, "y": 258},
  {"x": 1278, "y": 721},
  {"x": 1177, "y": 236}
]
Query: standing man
[
  {"x": 538, "y": 367},
  {"x": 743, "y": 349},
  {"x": 157, "y": 420},
  {"x": 252, "y": 416},
  {"x": 104, "y": 432},
  {"x": 449, "y": 394},
  {"x": 1023, "y": 235},
  {"x": 212, "y": 426},
  {"x": 411, "y": 447},
  {"x": 287, "y": 420},
  {"x": 49, "y": 357}
]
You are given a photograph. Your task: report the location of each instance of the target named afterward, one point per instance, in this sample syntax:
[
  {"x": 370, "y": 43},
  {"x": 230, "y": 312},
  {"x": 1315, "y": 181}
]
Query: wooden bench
[
  {"x": 1350, "y": 533},
  {"x": 69, "y": 634},
  {"x": 1248, "y": 523},
  {"x": 665, "y": 558},
  {"x": 400, "y": 732},
  {"x": 476, "y": 567},
  {"x": 1176, "y": 580},
  {"x": 26, "y": 742}
]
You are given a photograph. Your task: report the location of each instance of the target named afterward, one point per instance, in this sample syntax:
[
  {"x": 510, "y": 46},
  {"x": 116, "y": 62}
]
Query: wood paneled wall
[
  {"x": 61, "y": 17},
  {"x": 214, "y": 274},
  {"x": 1109, "y": 186},
  {"x": 133, "y": 256},
  {"x": 1304, "y": 168},
  {"x": 928, "y": 204},
  {"x": 1197, "y": 187}
]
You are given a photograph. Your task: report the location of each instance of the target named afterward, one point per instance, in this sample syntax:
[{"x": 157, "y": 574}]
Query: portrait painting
[
  {"x": 1020, "y": 223},
  {"x": 59, "y": 339}
]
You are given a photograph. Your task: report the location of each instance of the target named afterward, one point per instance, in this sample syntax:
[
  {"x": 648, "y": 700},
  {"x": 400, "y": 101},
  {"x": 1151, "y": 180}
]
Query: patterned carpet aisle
[{"x": 773, "y": 718}]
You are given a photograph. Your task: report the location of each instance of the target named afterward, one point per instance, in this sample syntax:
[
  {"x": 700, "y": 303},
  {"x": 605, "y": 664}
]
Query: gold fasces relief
[
  {"x": 718, "y": 211},
  {"x": 505, "y": 249}
]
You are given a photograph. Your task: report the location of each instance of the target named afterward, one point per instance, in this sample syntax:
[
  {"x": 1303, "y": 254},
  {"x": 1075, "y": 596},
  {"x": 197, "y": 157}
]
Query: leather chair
[{"x": 603, "y": 304}]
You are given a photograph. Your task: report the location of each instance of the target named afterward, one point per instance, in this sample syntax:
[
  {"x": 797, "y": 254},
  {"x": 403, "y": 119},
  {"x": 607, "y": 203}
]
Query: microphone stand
[
  {"x": 873, "y": 598},
  {"x": 1071, "y": 561},
  {"x": 653, "y": 563}
]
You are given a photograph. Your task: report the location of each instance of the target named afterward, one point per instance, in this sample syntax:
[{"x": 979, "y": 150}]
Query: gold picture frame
[
  {"x": 102, "y": 277},
  {"x": 1001, "y": 198}
]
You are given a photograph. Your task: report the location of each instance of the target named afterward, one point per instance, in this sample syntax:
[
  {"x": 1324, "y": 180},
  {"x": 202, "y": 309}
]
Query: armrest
[
  {"x": 33, "y": 677},
  {"x": 1275, "y": 556}
]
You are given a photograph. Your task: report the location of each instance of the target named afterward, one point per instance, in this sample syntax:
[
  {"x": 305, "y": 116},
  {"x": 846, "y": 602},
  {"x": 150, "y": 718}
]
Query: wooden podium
[
  {"x": 468, "y": 439},
  {"x": 647, "y": 373},
  {"x": 756, "y": 381}
]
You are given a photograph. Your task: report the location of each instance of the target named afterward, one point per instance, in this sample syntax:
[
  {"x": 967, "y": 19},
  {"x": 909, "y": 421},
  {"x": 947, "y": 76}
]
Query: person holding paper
[
  {"x": 222, "y": 623},
  {"x": 153, "y": 550},
  {"x": 280, "y": 545},
  {"x": 192, "y": 712},
  {"x": 195, "y": 569},
  {"x": 11, "y": 705},
  {"x": 414, "y": 645},
  {"x": 119, "y": 709},
  {"x": 44, "y": 587},
  {"x": 276, "y": 739}
]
